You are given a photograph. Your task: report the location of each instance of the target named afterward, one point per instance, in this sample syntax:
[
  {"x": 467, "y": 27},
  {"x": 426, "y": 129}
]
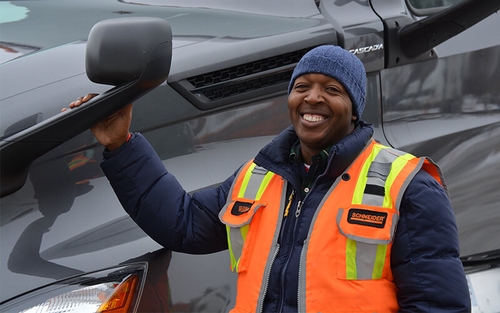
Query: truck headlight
[{"x": 113, "y": 290}]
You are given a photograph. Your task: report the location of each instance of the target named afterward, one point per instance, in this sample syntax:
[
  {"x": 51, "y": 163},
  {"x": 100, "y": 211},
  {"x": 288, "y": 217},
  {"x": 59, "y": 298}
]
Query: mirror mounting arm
[
  {"x": 133, "y": 54},
  {"x": 421, "y": 36}
]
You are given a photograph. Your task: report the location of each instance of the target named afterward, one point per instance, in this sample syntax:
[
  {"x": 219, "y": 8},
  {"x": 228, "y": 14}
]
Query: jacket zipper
[
  {"x": 264, "y": 292},
  {"x": 299, "y": 208},
  {"x": 299, "y": 205},
  {"x": 283, "y": 270},
  {"x": 297, "y": 214}
]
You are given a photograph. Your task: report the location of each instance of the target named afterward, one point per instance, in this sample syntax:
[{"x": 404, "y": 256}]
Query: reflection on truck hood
[{"x": 54, "y": 23}]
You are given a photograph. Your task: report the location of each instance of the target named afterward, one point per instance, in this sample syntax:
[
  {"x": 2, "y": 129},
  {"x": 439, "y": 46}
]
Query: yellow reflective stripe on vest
[
  {"x": 367, "y": 260},
  {"x": 255, "y": 182},
  {"x": 379, "y": 261}
]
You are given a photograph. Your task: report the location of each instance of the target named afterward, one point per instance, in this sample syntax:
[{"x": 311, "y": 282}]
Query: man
[{"x": 323, "y": 219}]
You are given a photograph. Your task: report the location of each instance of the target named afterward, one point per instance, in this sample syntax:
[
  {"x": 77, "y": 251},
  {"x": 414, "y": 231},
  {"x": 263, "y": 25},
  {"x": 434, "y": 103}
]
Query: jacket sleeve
[
  {"x": 160, "y": 206},
  {"x": 425, "y": 255}
]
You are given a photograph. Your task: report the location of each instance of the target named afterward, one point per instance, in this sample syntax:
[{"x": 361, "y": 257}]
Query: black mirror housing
[{"x": 119, "y": 50}]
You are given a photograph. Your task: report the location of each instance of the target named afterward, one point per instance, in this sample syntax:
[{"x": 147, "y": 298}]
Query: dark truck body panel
[{"x": 65, "y": 221}]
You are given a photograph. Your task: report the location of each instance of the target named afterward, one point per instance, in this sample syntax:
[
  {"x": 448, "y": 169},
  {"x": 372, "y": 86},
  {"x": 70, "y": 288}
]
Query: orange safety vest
[{"x": 345, "y": 262}]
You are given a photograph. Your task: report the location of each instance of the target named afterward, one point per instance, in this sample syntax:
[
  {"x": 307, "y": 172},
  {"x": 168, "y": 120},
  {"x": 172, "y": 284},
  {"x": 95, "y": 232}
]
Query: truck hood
[{"x": 31, "y": 26}]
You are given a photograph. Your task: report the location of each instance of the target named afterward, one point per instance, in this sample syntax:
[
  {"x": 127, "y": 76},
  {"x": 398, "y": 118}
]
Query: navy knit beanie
[{"x": 337, "y": 63}]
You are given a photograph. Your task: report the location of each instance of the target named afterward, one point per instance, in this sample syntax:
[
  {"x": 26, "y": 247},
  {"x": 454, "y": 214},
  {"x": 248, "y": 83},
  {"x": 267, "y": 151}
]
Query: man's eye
[{"x": 333, "y": 89}]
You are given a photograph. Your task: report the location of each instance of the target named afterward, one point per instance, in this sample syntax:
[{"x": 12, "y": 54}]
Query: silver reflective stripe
[
  {"x": 373, "y": 199},
  {"x": 366, "y": 249},
  {"x": 377, "y": 175},
  {"x": 259, "y": 170},
  {"x": 379, "y": 169},
  {"x": 256, "y": 179},
  {"x": 365, "y": 259},
  {"x": 236, "y": 237},
  {"x": 237, "y": 241}
]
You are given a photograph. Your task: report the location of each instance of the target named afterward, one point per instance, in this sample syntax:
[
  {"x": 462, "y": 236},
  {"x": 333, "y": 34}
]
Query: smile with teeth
[{"x": 313, "y": 118}]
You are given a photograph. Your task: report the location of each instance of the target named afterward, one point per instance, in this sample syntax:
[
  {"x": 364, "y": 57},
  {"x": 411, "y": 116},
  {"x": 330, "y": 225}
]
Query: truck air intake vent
[{"x": 240, "y": 82}]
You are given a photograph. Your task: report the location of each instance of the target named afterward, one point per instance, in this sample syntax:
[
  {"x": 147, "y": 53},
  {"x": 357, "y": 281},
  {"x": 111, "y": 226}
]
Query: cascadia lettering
[{"x": 367, "y": 49}]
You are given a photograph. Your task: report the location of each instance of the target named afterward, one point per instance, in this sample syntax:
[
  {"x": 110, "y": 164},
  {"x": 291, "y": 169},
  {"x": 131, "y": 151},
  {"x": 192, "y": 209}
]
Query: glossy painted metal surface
[
  {"x": 67, "y": 221},
  {"x": 449, "y": 109},
  {"x": 359, "y": 30}
]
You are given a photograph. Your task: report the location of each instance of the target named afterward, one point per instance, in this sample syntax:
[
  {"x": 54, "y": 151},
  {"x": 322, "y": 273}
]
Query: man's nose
[{"x": 314, "y": 95}]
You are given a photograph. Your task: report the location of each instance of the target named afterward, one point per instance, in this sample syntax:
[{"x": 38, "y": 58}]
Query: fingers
[
  {"x": 76, "y": 103},
  {"x": 88, "y": 96},
  {"x": 80, "y": 100}
]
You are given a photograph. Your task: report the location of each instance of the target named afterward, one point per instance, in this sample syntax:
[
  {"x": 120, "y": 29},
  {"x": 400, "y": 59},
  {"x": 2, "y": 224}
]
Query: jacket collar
[{"x": 275, "y": 156}]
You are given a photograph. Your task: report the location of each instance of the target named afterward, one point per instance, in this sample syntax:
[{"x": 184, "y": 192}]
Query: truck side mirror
[
  {"x": 131, "y": 54},
  {"x": 125, "y": 50}
]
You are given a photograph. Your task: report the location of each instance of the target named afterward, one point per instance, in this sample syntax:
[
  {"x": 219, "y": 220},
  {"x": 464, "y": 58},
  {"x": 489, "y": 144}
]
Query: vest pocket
[
  {"x": 237, "y": 215},
  {"x": 365, "y": 241},
  {"x": 239, "y": 212}
]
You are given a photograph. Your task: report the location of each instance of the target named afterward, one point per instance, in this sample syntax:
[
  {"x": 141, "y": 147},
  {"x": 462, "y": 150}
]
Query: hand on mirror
[{"x": 113, "y": 131}]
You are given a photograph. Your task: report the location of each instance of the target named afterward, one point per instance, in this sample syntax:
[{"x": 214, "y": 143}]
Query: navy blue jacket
[{"x": 425, "y": 263}]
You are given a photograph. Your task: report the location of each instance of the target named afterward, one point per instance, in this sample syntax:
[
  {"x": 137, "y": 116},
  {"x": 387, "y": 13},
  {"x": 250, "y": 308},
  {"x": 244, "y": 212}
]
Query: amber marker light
[{"x": 120, "y": 299}]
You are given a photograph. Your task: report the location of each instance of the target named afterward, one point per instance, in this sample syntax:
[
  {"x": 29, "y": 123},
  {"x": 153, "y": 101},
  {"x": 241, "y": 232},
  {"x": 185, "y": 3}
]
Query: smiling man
[
  {"x": 323, "y": 219},
  {"x": 314, "y": 82}
]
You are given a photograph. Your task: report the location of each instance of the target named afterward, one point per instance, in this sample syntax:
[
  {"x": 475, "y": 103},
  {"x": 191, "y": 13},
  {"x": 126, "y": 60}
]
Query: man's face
[{"x": 320, "y": 111}]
